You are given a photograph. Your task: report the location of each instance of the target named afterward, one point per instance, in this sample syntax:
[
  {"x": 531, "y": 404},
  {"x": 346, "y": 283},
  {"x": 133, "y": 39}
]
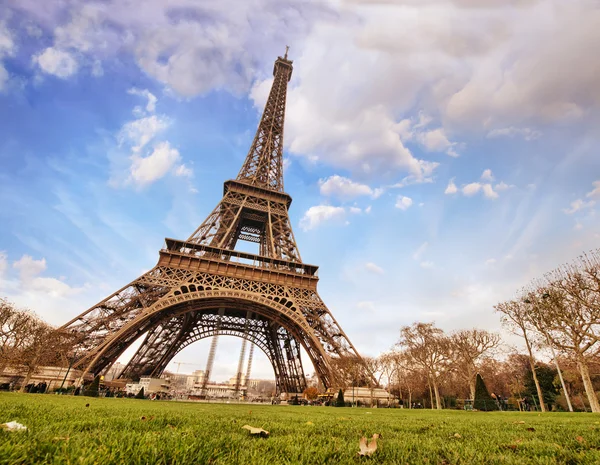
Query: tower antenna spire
[{"x": 287, "y": 48}]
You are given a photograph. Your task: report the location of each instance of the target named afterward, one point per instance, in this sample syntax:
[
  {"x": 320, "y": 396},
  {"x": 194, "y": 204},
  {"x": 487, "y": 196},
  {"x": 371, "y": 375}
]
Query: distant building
[
  {"x": 150, "y": 385},
  {"x": 368, "y": 396},
  {"x": 52, "y": 376}
]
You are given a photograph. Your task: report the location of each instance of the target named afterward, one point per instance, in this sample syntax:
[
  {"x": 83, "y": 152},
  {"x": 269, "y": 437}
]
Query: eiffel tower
[{"x": 203, "y": 287}]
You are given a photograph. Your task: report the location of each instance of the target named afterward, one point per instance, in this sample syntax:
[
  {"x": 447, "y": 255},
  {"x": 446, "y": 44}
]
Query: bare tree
[
  {"x": 406, "y": 378},
  {"x": 427, "y": 348},
  {"x": 515, "y": 317},
  {"x": 351, "y": 371},
  {"x": 14, "y": 330},
  {"x": 376, "y": 366},
  {"x": 469, "y": 346},
  {"x": 45, "y": 346},
  {"x": 562, "y": 312}
]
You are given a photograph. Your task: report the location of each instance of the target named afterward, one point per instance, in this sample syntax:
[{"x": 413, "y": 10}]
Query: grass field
[{"x": 61, "y": 429}]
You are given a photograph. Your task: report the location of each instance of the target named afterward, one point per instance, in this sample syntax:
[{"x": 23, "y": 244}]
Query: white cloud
[
  {"x": 3, "y": 264},
  {"x": 141, "y": 131},
  {"x": 183, "y": 171},
  {"x": 192, "y": 48},
  {"x": 432, "y": 140},
  {"x": 403, "y": 202},
  {"x": 374, "y": 268},
  {"x": 489, "y": 192},
  {"x": 3, "y": 77},
  {"x": 7, "y": 48},
  {"x": 578, "y": 226},
  {"x": 146, "y": 162},
  {"x": 471, "y": 65},
  {"x": 502, "y": 186},
  {"x": 527, "y": 133},
  {"x": 145, "y": 93},
  {"x": 29, "y": 267},
  {"x": 29, "y": 290},
  {"x": 365, "y": 142},
  {"x": 451, "y": 188},
  {"x": 339, "y": 186},
  {"x": 145, "y": 170},
  {"x": 410, "y": 180},
  {"x": 435, "y": 140},
  {"x": 427, "y": 265},
  {"x": 56, "y": 62},
  {"x": 52, "y": 287},
  {"x": 318, "y": 214},
  {"x": 487, "y": 175},
  {"x": 7, "y": 44},
  {"x": 475, "y": 187},
  {"x": 490, "y": 262},
  {"x": 471, "y": 189},
  {"x": 596, "y": 191},
  {"x": 578, "y": 205}
]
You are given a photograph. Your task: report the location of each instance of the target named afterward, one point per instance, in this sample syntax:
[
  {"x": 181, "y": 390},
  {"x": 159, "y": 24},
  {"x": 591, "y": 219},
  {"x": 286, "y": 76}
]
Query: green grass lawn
[{"x": 63, "y": 430}]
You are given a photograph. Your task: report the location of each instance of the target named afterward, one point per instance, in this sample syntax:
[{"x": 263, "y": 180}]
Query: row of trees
[
  {"x": 561, "y": 312},
  {"x": 430, "y": 367},
  {"x": 27, "y": 342},
  {"x": 427, "y": 359},
  {"x": 557, "y": 315}
]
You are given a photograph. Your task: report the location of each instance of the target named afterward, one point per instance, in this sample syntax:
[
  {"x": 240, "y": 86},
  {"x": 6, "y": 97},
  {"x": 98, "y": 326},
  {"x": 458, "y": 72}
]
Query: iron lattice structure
[{"x": 203, "y": 287}]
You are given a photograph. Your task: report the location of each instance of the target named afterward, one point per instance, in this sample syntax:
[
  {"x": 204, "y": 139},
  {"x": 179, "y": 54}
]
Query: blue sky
[{"x": 440, "y": 153}]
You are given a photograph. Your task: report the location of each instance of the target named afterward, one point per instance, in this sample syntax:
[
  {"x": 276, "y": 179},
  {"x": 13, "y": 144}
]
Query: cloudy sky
[{"x": 440, "y": 153}]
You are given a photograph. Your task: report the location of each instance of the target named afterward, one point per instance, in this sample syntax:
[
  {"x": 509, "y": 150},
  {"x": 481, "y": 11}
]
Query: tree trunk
[
  {"x": 535, "y": 378},
  {"x": 430, "y": 394},
  {"x": 587, "y": 383},
  {"x": 410, "y": 399},
  {"x": 472, "y": 388},
  {"x": 438, "y": 402},
  {"x": 30, "y": 371}
]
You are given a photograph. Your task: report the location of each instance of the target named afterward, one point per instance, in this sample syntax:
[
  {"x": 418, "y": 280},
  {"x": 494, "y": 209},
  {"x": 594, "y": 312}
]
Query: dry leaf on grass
[
  {"x": 530, "y": 429},
  {"x": 256, "y": 431},
  {"x": 519, "y": 422},
  {"x": 13, "y": 426},
  {"x": 579, "y": 439},
  {"x": 309, "y": 423},
  {"x": 509, "y": 446},
  {"x": 457, "y": 435},
  {"x": 366, "y": 449}
]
